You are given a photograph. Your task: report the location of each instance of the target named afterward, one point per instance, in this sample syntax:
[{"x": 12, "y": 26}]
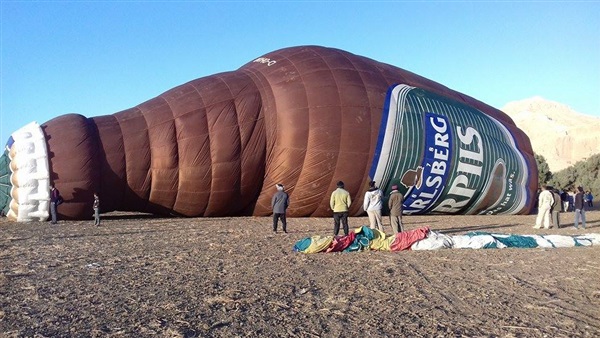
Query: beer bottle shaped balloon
[{"x": 304, "y": 116}]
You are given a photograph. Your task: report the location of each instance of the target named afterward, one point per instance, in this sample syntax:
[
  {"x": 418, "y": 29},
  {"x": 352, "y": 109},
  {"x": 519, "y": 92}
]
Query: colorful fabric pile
[
  {"x": 365, "y": 238},
  {"x": 361, "y": 239}
]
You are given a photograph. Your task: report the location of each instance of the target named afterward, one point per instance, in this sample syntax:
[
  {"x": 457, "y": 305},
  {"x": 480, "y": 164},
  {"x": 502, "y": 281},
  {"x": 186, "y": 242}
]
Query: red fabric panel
[
  {"x": 340, "y": 243},
  {"x": 405, "y": 239}
]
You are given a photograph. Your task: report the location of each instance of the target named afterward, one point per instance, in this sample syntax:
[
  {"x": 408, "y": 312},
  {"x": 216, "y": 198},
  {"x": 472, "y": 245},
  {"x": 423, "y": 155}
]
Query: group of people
[
  {"x": 56, "y": 199},
  {"x": 567, "y": 199},
  {"x": 551, "y": 203},
  {"x": 373, "y": 204},
  {"x": 339, "y": 203}
]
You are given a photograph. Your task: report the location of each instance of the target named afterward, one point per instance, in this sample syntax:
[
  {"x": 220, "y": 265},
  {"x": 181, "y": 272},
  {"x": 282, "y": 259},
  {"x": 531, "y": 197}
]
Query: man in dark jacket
[
  {"x": 564, "y": 197},
  {"x": 280, "y": 203},
  {"x": 96, "y": 207},
  {"x": 556, "y": 206},
  {"x": 579, "y": 208},
  {"x": 55, "y": 200},
  {"x": 395, "y": 204}
]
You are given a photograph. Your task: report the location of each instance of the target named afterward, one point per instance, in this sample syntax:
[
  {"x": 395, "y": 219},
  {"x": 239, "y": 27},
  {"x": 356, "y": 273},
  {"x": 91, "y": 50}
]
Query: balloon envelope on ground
[{"x": 305, "y": 117}]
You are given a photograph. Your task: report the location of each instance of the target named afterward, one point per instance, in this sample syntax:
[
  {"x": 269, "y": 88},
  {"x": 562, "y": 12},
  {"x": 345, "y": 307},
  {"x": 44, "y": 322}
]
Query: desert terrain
[
  {"x": 143, "y": 276},
  {"x": 557, "y": 132}
]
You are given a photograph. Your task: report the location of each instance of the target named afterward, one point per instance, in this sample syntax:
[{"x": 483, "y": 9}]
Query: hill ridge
[{"x": 557, "y": 132}]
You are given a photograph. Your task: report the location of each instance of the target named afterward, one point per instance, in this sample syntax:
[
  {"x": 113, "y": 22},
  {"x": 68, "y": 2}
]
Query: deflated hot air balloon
[{"x": 306, "y": 117}]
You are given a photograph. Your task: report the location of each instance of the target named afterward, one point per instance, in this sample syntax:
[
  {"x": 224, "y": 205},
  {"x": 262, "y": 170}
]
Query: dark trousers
[
  {"x": 555, "y": 218},
  {"x": 276, "y": 218},
  {"x": 96, "y": 216},
  {"x": 337, "y": 217},
  {"x": 53, "y": 212}
]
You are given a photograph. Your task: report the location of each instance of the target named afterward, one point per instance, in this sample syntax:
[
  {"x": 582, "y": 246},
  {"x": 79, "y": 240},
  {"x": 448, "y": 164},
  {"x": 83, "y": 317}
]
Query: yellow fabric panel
[
  {"x": 318, "y": 244},
  {"x": 381, "y": 242}
]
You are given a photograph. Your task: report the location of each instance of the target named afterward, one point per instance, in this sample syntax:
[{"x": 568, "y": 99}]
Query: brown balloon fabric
[{"x": 306, "y": 117}]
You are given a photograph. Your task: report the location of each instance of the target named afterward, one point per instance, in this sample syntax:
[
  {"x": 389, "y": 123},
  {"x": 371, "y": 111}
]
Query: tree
[
  {"x": 544, "y": 173},
  {"x": 565, "y": 179},
  {"x": 583, "y": 173}
]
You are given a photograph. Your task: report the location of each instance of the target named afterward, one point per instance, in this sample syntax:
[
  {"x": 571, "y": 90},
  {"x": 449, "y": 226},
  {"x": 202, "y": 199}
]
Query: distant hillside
[{"x": 557, "y": 132}]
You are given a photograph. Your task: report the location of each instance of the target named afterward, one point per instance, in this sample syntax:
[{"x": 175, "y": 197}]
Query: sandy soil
[{"x": 140, "y": 276}]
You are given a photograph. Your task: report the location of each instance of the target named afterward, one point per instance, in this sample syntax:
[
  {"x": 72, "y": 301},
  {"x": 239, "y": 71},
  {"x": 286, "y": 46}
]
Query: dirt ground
[{"x": 141, "y": 276}]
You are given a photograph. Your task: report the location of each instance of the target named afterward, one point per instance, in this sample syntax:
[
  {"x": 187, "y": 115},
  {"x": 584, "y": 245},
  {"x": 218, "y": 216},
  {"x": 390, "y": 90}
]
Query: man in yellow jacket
[{"x": 340, "y": 204}]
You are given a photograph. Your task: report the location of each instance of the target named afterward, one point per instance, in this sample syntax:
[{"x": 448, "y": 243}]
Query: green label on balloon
[{"x": 447, "y": 157}]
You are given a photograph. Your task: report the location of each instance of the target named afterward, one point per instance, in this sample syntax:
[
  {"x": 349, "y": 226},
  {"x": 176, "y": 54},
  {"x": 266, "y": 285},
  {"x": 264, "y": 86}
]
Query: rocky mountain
[{"x": 557, "y": 132}]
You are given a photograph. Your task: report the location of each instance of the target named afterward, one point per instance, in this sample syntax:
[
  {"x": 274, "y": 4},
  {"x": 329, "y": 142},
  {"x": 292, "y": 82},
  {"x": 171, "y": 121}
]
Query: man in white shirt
[
  {"x": 545, "y": 201},
  {"x": 372, "y": 205}
]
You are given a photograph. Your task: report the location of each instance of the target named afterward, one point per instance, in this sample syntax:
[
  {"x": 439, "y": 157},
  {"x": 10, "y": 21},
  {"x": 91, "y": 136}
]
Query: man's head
[
  {"x": 279, "y": 186},
  {"x": 340, "y": 184}
]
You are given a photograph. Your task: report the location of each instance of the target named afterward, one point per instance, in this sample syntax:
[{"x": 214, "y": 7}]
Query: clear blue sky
[{"x": 99, "y": 57}]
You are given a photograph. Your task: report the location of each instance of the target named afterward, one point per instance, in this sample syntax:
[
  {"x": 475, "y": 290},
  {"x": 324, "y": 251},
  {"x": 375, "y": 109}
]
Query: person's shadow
[{"x": 475, "y": 228}]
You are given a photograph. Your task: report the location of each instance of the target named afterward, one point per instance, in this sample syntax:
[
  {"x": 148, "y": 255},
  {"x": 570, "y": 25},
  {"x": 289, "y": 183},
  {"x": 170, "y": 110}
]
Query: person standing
[
  {"x": 395, "y": 204},
  {"x": 280, "y": 203},
  {"x": 564, "y": 197},
  {"x": 570, "y": 199},
  {"x": 545, "y": 201},
  {"x": 372, "y": 205},
  {"x": 55, "y": 200},
  {"x": 340, "y": 204},
  {"x": 96, "y": 210},
  {"x": 579, "y": 206},
  {"x": 537, "y": 200},
  {"x": 589, "y": 198},
  {"x": 556, "y": 206}
]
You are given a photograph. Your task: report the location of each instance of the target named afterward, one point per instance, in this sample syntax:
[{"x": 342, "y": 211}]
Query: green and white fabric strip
[{"x": 483, "y": 240}]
